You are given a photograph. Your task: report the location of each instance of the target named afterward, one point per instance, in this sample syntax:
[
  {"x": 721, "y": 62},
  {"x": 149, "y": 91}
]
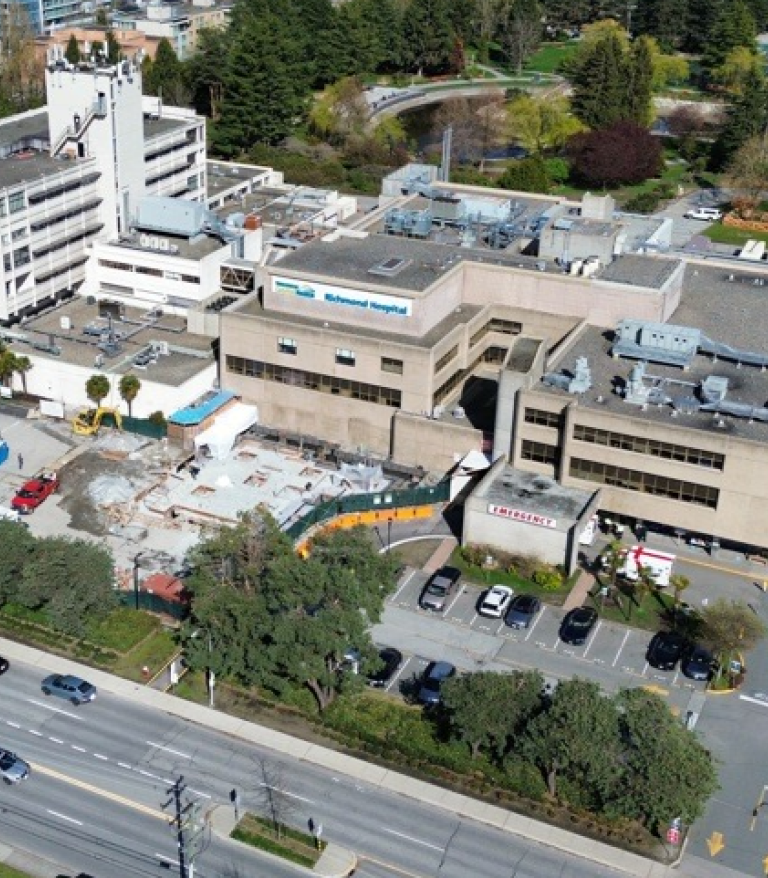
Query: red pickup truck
[{"x": 32, "y": 493}]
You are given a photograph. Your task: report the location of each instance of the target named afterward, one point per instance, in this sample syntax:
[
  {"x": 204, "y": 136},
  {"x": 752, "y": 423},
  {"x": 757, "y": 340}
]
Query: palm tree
[
  {"x": 129, "y": 388},
  {"x": 97, "y": 387},
  {"x": 645, "y": 583},
  {"x": 679, "y": 584},
  {"x": 7, "y": 366},
  {"x": 23, "y": 365}
]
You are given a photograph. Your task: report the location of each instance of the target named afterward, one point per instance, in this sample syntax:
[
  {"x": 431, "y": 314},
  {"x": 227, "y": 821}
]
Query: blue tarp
[
  {"x": 4, "y": 451},
  {"x": 194, "y": 414}
]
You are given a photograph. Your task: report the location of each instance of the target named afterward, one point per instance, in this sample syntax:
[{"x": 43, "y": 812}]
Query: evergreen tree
[
  {"x": 165, "y": 74},
  {"x": 759, "y": 10},
  {"x": 72, "y": 52},
  {"x": 113, "y": 51},
  {"x": 639, "y": 83},
  {"x": 664, "y": 20},
  {"x": 733, "y": 27},
  {"x": 702, "y": 15},
  {"x": 747, "y": 117},
  {"x": 204, "y": 71},
  {"x": 265, "y": 83},
  {"x": 427, "y": 35},
  {"x": 599, "y": 84}
]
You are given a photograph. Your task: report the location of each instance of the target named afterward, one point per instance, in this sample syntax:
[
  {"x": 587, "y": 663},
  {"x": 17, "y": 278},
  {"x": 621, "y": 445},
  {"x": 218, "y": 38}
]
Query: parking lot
[{"x": 614, "y": 654}]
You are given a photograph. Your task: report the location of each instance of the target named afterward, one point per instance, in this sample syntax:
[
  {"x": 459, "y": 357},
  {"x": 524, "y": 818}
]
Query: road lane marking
[
  {"x": 55, "y": 709},
  {"x": 752, "y": 700},
  {"x": 407, "y": 579},
  {"x": 166, "y": 859},
  {"x": 286, "y": 793},
  {"x": 124, "y": 765},
  {"x": 36, "y": 733},
  {"x": 168, "y": 749},
  {"x": 64, "y": 817},
  {"x": 198, "y": 792},
  {"x": 592, "y": 638},
  {"x": 79, "y": 749},
  {"x": 99, "y": 756},
  {"x": 55, "y": 740},
  {"x": 618, "y": 654},
  {"x": 426, "y": 844},
  {"x": 97, "y": 791},
  {"x": 12, "y": 725}
]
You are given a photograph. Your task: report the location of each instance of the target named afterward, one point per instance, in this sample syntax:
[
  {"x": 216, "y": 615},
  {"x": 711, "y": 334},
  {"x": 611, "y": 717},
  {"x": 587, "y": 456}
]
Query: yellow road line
[
  {"x": 684, "y": 559},
  {"x": 363, "y": 858},
  {"x": 114, "y": 797}
]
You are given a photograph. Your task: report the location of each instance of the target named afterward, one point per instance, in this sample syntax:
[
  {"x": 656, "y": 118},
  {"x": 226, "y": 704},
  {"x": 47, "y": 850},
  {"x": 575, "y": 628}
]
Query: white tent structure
[
  {"x": 221, "y": 435},
  {"x": 468, "y": 467}
]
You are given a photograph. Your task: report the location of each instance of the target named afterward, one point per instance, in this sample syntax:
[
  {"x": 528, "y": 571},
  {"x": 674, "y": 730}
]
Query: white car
[
  {"x": 496, "y": 601},
  {"x": 708, "y": 214}
]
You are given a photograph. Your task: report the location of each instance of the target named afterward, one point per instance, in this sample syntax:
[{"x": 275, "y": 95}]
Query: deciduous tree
[
  {"x": 541, "y": 124},
  {"x": 519, "y": 31},
  {"x": 621, "y": 153},
  {"x": 97, "y": 388},
  {"x": 730, "y": 628}
]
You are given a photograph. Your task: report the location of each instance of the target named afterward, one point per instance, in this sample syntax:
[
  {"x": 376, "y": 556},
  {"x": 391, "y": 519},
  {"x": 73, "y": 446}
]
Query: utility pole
[{"x": 189, "y": 827}]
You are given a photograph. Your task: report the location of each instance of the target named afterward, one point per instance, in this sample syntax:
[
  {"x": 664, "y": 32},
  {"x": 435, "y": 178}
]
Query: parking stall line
[
  {"x": 593, "y": 638},
  {"x": 453, "y": 602},
  {"x": 536, "y": 622},
  {"x": 623, "y": 644},
  {"x": 405, "y": 582}
]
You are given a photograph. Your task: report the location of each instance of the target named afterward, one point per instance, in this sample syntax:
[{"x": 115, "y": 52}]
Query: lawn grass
[
  {"x": 297, "y": 847},
  {"x": 720, "y": 234},
  {"x": 153, "y": 653},
  {"x": 8, "y": 872},
  {"x": 550, "y": 56},
  {"x": 123, "y": 629},
  {"x": 417, "y": 553},
  {"x": 672, "y": 175},
  {"x": 652, "y": 613}
]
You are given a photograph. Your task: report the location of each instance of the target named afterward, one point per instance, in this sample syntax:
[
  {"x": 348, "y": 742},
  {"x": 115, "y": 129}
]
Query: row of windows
[
  {"x": 542, "y": 418},
  {"x": 19, "y": 257},
  {"x": 61, "y": 188},
  {"x": 344, "y": 357},
  {"x": 539, "y": 452},
  {"x": 507, "y": 327},
  {"x": 446, "y": 358},
  {"x": 314, "y": 381},
  {"x": 652, "y": 447},
  {"x": 491, "y": 355},
  {"x": 65, "y": 242},
  {"x": 16, "y": 202},
  {"x": 71, "y": 267},
  {"x": 152, "y": 272},
  {"x": 646, "y": 483},
  {"x": 67, "y": 214}
]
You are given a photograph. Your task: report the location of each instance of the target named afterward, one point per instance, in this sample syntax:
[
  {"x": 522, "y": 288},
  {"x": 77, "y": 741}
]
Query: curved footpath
[{"x": 392, "y": 781}]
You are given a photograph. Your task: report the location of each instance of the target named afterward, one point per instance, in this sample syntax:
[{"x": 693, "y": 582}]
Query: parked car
[
  {"x": 74, "y": 689},
  {"x": 4, "y": 665},
  {"x": 439, "y": 588},
  {"x": 32, "y": 493},
  {"x": 12, "y": 768},
  {"x": 522, "y": 611},
  {"x": 578, "y": 625},
  {"x": 496, "y": 601},
  {"x": 391, "y": 660},
  {"x": 665, "y": 650},
  {"x": 434, "y": 675},
  {"x": 707, "y": 214},
  {"x": 697, "y": 663}
]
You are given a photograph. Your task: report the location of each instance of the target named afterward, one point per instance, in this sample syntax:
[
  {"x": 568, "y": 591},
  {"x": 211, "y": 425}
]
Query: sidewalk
[{"x": 383, "y": 778}]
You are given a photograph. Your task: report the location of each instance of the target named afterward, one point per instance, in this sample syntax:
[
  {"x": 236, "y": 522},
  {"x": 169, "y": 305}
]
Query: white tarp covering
[{"x": 220, "y": 436}]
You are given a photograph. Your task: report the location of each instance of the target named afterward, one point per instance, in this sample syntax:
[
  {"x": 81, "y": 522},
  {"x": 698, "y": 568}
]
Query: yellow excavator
[{"x": 88, "y": 421}]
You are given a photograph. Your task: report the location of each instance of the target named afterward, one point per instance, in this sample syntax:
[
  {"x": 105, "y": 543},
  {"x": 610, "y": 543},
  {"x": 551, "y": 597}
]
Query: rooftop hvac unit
[
  {"x": 459, "y": 413},
  {"x": 438, "y": 411},
  {"x": 145, "y": 241},
  {"x": 65, "y": 322},
  {"x": 164, "y": 244}
]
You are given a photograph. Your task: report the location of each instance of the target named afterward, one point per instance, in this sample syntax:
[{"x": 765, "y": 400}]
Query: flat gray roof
[
  {"x": 17, "y": 128},
  {"x": 729, "y": 306},
  {"x": 534, "y": 493},
  {"x": 154, "y": 127},
  {"x": 187, "y": 248},
  {"x": 81, "y": 349},
  {"x": 15, "y": 171},
  {"x": 641, "y": 271}
]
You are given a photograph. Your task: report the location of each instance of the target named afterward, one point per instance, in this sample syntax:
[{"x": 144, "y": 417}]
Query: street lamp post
[
  {"x": 761, "y": 803},
  {"x": 136, "y": 559}
]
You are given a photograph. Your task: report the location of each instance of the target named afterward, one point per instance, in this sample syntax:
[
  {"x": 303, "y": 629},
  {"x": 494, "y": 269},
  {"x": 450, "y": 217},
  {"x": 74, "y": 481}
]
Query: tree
[
  {"x": 72, "y": 52},
  {"x": 102, "y": 19},
  {"x": 599, "y": 84},
  {"x": 679, "y": 584},
  {"x": 97, "y": 388},
  {"x": 275, "y": 802},
  {"x": 427, "y": 35},
  {"x": 666, "y": 773},
  {"x": 664, "y": 20},
  {"x": 22, "y": 72},
  {"x": 18, "y": 547},
  {"x": 526, "y": 175},
  {"x": 730, "y": 628},
  {"x": 702, "y": 15},
  {"x": 22, "y": 367},
  {"x": 575, "y": 744},
  {"x": 340, "y": 111},
  {"x": 520, "y": 31},
  {"x": 487, "y": 710},
  {"x": 621, "y": 153},
  {"x": 746, "y": 117},
  {"x": 164, "y": 75},
  {"x": 205, "y": 73},
  {"x": 734, "y": 27},
  {"x": 7, "y": 366},
  {"x": 113, "y": 51},
  {"x": 736, "y": 69},
  {"x": 540, "y": 124},
  {"x": 746, "y": 174},
  {"x": 129, "y": 387},
  {"x": 278, "y": 620},
  {"x": 639, "y": 64}
]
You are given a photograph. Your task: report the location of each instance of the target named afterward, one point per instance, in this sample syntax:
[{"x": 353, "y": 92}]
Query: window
[
  {"x": 505, "y": 327},
  {"x": 314, "y": 381},
  {"x": 446, "y": 358},
  {"x": 3, "y": 207},
  {"x": 495, "y": 354},
  {"x": 118, "y": 266},
  {"x": 345, "y": 357},
  {"x": 190, "y": 279},
  {"x": 651, "y": 447},
  {"x": 152, "y": 272},
  {"x": 388, "y": 364},
  {"x": 542, "y": 418},
  {"x": 18, "y": 234},
  {"x": 646, "y": 483},
  {"x": 7, "y": 262},
  {"x": 16, "y": 202},
  {"x": 539, "y": 452},
  {"x": 287, "y": 345},
  {"x": 21, "y": 256}
]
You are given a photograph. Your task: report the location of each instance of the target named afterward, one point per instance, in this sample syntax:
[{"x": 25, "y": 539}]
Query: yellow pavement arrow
[
  {"x": 716, "y": 843},
  {"x": 765, "y": 865}
]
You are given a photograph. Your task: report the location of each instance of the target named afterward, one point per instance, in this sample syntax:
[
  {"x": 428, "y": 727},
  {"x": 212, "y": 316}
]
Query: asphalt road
[{"x": 101, "y": 773}]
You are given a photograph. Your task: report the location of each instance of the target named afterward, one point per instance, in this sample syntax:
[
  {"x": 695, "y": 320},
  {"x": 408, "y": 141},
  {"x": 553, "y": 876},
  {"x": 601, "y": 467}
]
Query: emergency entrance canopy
[{"x": 221, "y": 435}]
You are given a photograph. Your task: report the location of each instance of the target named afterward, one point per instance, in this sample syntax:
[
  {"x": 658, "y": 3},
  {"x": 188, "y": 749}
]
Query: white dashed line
[
  {"x": 35, "y": 733},
  {"x": 426, "y": 844},
  {"x": 169, "y": 750},
  {"x": 12, "y": 725},
  {"x": 56, "y": 740},
  {"x": 99, "y": 756},
  {"x": 55, "y": 709},
  {"x": 64, "y": 817},
  {"x": 618, "y": 654},
  {"x": 79, "y": 749},
  {"x": 198, "y": 793},
  {"x": 124, "y": 765}
]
